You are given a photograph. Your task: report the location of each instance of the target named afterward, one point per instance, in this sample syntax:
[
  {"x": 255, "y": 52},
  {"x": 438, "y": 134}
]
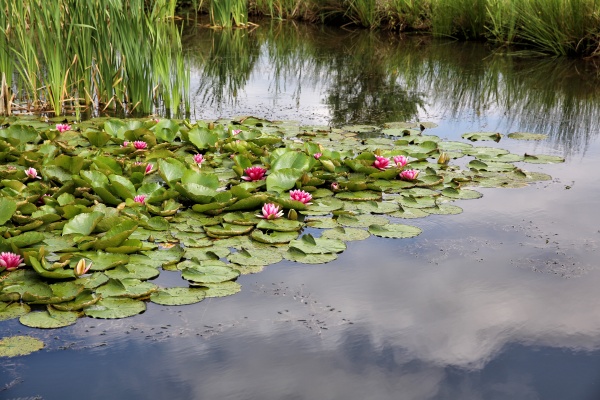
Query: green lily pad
[
  {"x": 14, "y": 346},
  {"x": 443, "y": 209},
  {"x": 7, "y": 209},
  {"x": 543, "y": 159},
  {"x": 84, "y": 299},
  {"x": 128, "y": 287},
  {"x": 398, "y": 231},
  {"x": 527, "y": 136},
  {"x": 297, "y": 255},
  {"x": 361, "y": 221},
  {"x": 475, "y": 136},
  {"x": 83, "y": 224},
  {"x": 113, "y": 307},
  {"x": 12, "y": 310},
  {"x": 134, "y": 271},
  {"x": 410, "y": 213},
  {"x": 255, "y": 257},
  {"x": 465, "y": 194},
  {"x": 273, "y": 237},
  {"x": 49, "y": 319},
  {"x": 345, "y": 234},
  {"x": 178, "y": 296},
  {"x": 221, "y": 289},
  {"x": 279, "y": 225},
  {"x": 207, "y": 273},
  {"x": 310, "y": 245}
]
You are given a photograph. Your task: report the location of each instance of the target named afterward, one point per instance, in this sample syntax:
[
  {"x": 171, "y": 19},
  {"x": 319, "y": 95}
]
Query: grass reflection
[{"x": 370, "y": 77}]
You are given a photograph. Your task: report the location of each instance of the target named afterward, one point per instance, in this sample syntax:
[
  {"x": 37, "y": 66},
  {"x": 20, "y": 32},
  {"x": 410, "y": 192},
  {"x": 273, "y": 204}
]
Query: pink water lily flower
[
  {"x": 301, "y": 196},
  {"x": 140, "y": 144},
  {"x": 335, "y": 186},
  {"x": 381, "y": 162},
  {"x": 199, "y": 159},
  {"x": 317, "y": 155},
  {"x": 148, "y": 169},
  {"x": 270, "y": 211},
  {"x": 125, "y": 143},
  {"x": 63, "y": 127},
  {"x": 409, "y": 174},
  {"x": 32, "y": 173},
  {"x": 82, "y": 268},
  {"x": 236, "y": 131},
  {"x": 400, "y": 161},
  {"x": 10, "y": 261},
  {"x": 140, "y": 199},
  {"x": 255, "y": 173}
]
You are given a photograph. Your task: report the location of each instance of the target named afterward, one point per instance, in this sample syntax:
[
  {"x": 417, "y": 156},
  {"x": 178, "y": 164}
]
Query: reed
[
  {"x": 101, "y": 61},
  {"x": 228, "y": 13}
]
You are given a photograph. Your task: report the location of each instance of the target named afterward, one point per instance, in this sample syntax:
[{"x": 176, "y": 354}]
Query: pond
[{"x": 497, "y": 302}]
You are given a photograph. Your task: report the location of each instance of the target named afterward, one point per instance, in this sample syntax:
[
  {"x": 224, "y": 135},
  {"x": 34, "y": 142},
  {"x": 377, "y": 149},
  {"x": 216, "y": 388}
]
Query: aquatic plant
[
  {"x": 301, "y": 196},
  {"x": 381, "y": 162},
  {"x": 255, "y": 173},
  {"x": 409, "y": 174},
  {"x": 270, "y": 211},
  {"x": 102, "y": 63},
  {"x": 96, "y": 228},
  {"x": 10, "y": 261}
]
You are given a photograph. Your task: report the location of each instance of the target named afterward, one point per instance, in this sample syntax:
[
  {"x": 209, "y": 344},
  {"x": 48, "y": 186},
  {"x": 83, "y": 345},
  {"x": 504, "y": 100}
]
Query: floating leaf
[
  {"x": 221, "y": 289},
  {"x": 475, "y": 136},
  {"x": 294, "y": 254},
  {"x": 14, "y": 346},
  {"x": 397, "y": 231},
  {"x": 274, "y": 237},
  {"x": 7, "y": 209},
  {"x": 113, "y": 307},
  {"x": 12, "y": 310},
  {"x": 311, "y": 245},
  {"x": 255, "y": 257},
  {"x": 178, "y": 296},
  {"x": 206, "y": 273},
  {"x": 527, "y": 136},
  {"x": 543, "y": 159},
  {"x": 83, "y": 224},
  {"x": 49, "y": 319},
  {"x": 345, "y": 234}
]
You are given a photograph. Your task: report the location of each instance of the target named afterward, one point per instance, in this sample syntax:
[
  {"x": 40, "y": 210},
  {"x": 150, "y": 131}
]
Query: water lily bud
[
  {"x": 81, "y": 267},
  {"x": 328, "y": 165},
  {"x": 292, "y": 215},
  {"x": 443, "y": 158},
  {"x": 211, "y": 125}
]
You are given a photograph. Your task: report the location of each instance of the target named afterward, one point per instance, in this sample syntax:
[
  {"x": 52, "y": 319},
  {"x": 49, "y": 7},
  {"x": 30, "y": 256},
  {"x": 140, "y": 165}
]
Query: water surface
[{"x": 499, "y": 302}]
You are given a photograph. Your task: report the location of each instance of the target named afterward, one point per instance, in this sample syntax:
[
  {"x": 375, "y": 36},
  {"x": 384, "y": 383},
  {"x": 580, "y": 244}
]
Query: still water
[{"x": 499, "y": 302}]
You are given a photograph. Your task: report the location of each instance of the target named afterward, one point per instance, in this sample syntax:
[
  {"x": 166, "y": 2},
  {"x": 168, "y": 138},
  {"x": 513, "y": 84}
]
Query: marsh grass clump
[{"x": 70, "y": 55}]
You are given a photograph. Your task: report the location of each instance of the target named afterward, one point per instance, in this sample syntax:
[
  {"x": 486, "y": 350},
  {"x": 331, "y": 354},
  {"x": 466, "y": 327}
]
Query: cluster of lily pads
[{"x": 90, "y": 213}]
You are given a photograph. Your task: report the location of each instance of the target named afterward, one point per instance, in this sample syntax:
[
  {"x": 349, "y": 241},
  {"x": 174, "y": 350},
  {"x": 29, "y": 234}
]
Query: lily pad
[
  {"x": 527, "y": 136},
  {"x": 297, "y": 255},
  {"x": 207, "y": 273},
  {"x": 113, "y": 307},
  {"x": 178, "y": 296},
  {"x": 49, "y": 319},
  {"x": 12, "y": 310},
  {"x": 398, "y": 231},
  {"x": 14, "y": 346},
  {"x": 255, "y": 257},
  {"x": 345, "y": 234},
  {"x": 221, "y": 289}
]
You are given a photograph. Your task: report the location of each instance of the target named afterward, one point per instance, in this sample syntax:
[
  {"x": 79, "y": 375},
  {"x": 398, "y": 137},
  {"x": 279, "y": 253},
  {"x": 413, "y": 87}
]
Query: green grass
[{"x": 100, "y": 62}]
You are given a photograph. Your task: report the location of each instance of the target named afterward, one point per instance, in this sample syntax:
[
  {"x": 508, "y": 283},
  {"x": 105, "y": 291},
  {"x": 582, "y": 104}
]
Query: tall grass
[
  {"x": 228, "y": 13},
  {"x": 75, "y": 54},
  {"x": 557, "y": 27}
]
